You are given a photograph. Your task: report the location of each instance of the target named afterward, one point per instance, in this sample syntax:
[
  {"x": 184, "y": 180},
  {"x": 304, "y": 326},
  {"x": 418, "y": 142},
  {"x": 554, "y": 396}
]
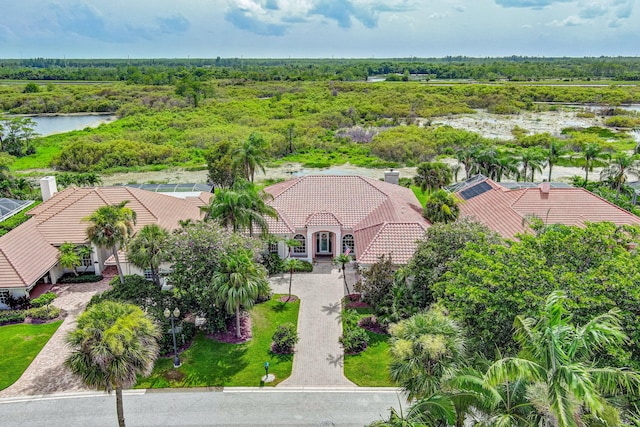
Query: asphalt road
[{"x": 231, "y": 407}]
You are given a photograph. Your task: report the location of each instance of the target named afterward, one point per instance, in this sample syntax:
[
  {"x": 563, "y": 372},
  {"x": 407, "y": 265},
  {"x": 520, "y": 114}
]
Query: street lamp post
[{"x": 172, "y": 315}]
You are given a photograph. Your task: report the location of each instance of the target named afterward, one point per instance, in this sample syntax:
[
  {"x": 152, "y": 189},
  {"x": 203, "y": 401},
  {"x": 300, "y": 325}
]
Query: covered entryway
[{"x": 324, "y": 244}]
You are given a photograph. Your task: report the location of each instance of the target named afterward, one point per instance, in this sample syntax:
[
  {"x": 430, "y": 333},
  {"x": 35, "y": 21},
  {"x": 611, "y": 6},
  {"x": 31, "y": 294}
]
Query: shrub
[
  {"x": 273, "y": 263},
  {"x": 12, "y": 316},
  {"x": 43, "y": 313},
  {"x": 621, "y": 122},
  {"x": 371, "y": 323},
  {"x": 83, "y": 278},
  {"x": 354, "y": 340},
  {"x": 44, "y": 299},
  {"x": 284, "y": 339},
  {"x": 20, "y": 303},
  {"x": 304, "y": 267}
]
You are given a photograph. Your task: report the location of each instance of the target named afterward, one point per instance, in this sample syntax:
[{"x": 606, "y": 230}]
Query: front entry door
[{"x": 323, "y": 243}]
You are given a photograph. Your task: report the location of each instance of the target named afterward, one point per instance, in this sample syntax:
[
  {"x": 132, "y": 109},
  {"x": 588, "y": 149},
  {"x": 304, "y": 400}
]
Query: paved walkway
[
  {"x": 47, "y": 373},
  {"x": 319, "y": 357}
]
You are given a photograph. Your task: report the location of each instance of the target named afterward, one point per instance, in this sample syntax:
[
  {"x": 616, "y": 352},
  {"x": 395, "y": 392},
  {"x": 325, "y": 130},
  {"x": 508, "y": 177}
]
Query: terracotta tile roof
[
  {"x": 386, "y": 218},
  {"x": 25, "y": 256},
  {"x": 322, "y": 218},
  {"x": 399, "y": 240},
  {"x": 504, "y": 210},
  {"x": 28, "y": 252}
]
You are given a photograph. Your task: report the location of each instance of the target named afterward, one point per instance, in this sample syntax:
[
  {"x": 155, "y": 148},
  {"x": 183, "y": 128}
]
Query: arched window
[
  {"x": 302, "y": 248},
  {"x": 348, "y": 245}
]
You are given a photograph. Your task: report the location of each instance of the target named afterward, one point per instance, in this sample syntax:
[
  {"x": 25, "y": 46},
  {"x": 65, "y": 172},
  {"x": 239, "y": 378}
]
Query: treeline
[{"x": 164, "y": 71}]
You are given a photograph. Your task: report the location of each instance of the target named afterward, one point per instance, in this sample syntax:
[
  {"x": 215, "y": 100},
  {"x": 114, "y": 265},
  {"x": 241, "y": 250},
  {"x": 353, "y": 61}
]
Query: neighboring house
[
  {"x": 505, "y": 207},
  {"x": 29, "y": 253},
  {"x": 329, "y": 215}
]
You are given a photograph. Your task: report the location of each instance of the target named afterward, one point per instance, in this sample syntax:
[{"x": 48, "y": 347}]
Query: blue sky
[{"x": 318, "y": 28}]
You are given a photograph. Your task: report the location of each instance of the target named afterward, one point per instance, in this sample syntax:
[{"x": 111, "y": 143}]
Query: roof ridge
[
  {"x": 130, "y": 191},
  {"x": 601, "y": 198},
  {"x": 40, "y": 209},
  {"x": 373, "y": 239},
  {"x": 522, "y": 191}
]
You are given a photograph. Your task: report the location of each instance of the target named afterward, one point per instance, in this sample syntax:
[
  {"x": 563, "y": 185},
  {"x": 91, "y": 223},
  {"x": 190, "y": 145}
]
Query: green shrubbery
[
  {"x": 284, "y": 339},
  {"x": 12, "y": 316},
  {"x": 83, "y": 278},
  {"x": 43, "y": 313},
  {"x": 43, "y": 300}
]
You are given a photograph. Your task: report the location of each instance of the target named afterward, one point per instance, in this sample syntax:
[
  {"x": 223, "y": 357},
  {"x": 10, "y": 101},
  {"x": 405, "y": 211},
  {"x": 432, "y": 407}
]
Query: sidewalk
[
  {"x": 319, "y": 357},
  {"x": 47, "y": 373}
]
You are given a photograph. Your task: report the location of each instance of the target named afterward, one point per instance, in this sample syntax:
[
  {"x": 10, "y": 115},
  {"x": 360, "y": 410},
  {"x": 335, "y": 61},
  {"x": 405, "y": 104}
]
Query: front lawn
[
  {"x": 19, "y": 345},
  {"x": 371, "y": 367},
  {"x": 209, "y": 363}
]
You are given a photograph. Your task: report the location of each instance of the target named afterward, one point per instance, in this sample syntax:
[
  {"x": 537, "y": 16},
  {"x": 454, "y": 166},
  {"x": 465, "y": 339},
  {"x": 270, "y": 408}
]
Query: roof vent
[{"x": 545, "y": 187}]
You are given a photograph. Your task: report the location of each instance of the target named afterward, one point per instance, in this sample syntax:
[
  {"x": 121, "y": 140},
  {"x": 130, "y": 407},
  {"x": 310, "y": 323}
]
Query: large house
[
  {"x": 29, "y": 253},
  {"x": 506, "y": 207},
  {"x": 363, "y": 217}
]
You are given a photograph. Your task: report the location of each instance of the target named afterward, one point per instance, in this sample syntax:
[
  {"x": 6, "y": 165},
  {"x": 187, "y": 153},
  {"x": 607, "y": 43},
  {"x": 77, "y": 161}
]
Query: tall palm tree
[
  {"x": 425, "y": 348},
  {"x": 555, "y": 151},
  {"x": 243, "y": 207},
  {"x": 111, "y": 226},
  {"x": 148, "y": 249},
  {"x": 238, "y": 282},
  {"x": 555, "y": 361},
  {"x": 250, "y": 156},
  {"x": 112, "y": 344},
  {"x": 617, "y": 171},
  {"x": 591, "y": 152},
  {"x": 343, "y": 260},
  {"x": 532, "y": 159},
  {"x": 291, "y": 264}
]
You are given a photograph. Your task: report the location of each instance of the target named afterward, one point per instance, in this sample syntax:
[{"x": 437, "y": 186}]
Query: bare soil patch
[{"x": 229, "y": 336}]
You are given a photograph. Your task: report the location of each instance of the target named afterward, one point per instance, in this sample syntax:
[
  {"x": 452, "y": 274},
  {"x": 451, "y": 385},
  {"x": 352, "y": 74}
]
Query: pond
[{"x": 49, "y": 125}]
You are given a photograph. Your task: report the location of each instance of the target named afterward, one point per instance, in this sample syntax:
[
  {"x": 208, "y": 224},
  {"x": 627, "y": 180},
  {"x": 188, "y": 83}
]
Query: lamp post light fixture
[{"x": 172, "y": 315}]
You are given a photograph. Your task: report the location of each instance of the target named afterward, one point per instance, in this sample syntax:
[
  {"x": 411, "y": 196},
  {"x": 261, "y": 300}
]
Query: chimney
[
  {"x": 48, "y": 187},
  {"x": 392, "y": 177},
  {"x": 545, "y": 187}
]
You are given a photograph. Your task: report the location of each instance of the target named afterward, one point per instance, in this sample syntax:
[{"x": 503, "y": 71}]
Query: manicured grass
[
  {"x": 371, "y": 367},
  {"x": 19, "y": 345},
  {"x": 209, "y": 363}
]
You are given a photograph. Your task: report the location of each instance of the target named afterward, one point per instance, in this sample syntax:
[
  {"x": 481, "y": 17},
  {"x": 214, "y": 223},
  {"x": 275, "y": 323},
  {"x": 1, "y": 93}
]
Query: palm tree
[
  {"x": 441, "y": 207},
  {"x": 69, "y": 257},
  {"x": 110, "y": 227},
  {"x": 425, "y": 348},
  {"x": 250, "y": 155},
  {"x": 238, "y": 282},
  {"x": 555, "y": 151},
  {"x": 343, "y": 260},
  {"x": 616, "y": 173},
  {"x": 148, "y": 249},
  {"x": 291, "y": 264},
  {"x": 242, "y": 207},
  {"x": 432, "y": 176},
  {"x": 555, "y": 361},
  {"x": 112, "y": 344},
  {"x": 532, "y": 160},
  {"x": 591, "y": 152}
]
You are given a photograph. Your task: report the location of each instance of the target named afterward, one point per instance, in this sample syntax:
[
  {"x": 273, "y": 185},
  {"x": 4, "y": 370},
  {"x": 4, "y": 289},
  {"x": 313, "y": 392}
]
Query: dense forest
[{"x": 167, "y": 71}]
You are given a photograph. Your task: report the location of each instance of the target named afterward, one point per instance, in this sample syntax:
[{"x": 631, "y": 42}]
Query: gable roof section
[
  {"x": 504, "y": 210},
  {"x": 398, "y": 240},
  {"x": 323, "y": 219},
  {"x": 29, "y": 251},
  {"x": 24, "y": 256},
  {"x": 59, "y": 219}
]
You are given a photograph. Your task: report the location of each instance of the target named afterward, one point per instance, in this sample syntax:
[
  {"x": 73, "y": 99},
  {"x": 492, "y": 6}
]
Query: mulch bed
[
  {"x": 370, "y": 323},
  {"x": 229, "y": 336},
  {"x": 286, "y": 298},
  {"x": 353, "y": 301}
]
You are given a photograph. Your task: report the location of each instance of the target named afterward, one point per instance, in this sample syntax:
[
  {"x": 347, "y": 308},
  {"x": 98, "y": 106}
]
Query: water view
[{"x": 49, "y": 125}]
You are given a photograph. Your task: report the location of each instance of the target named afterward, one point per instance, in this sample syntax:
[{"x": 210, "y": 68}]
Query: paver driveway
[
  {"x": 318, "y": 361},
  {"x": 47, "y": 373}
]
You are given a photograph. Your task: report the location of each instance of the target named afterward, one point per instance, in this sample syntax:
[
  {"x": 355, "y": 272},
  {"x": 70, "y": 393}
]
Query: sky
[{"x": 318, "y": 28}]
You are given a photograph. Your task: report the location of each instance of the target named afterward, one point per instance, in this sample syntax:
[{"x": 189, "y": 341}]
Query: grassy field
[
  {"x": 19, "y": 345},
  {"x": 209, "y": 363}
]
